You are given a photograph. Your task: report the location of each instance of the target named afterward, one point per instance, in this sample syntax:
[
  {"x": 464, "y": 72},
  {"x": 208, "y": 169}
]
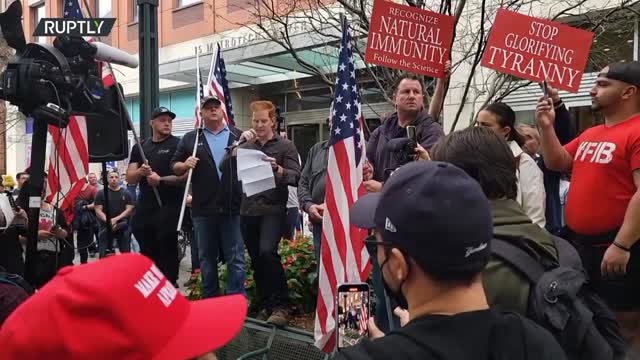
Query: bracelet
[{"x": 621, "y": 247}]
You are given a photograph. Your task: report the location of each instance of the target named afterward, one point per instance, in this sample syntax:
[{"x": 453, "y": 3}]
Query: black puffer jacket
[{"x": 427, "y": 131}]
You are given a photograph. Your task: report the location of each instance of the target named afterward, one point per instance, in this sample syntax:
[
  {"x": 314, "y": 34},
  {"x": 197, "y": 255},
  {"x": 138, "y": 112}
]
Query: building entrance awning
[{"x": 261, "y": 62}]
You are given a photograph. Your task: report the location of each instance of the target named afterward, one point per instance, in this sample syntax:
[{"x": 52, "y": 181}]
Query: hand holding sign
[
  {"x": 545, "y": 113},
  {"x": 537, "y": 49}
]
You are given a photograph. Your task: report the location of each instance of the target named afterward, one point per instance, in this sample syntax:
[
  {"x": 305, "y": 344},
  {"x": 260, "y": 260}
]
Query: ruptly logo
[{"x": 74, "y": 27}]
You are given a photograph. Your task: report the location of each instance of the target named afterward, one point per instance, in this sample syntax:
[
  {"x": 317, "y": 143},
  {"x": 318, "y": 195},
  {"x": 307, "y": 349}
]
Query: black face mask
[{"x": 395, "y": 295}]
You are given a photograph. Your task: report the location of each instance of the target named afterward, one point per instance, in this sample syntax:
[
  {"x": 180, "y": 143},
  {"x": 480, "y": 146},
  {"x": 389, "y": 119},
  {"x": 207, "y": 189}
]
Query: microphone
[{"x": 104, "y": 52}]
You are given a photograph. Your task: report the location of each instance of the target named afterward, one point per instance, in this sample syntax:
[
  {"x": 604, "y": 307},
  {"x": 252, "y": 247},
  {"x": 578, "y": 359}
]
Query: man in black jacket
[
  {"x": 216, "y": 197},
  {"x": 263, "y": 213},
  {"x": 432, "y": 267},
  {"x": 409, "y": 102}
]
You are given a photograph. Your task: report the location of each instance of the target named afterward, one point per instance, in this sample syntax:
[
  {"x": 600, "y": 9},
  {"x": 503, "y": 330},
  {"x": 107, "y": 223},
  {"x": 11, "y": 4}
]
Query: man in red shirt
[{"x": 603, "y": 205}]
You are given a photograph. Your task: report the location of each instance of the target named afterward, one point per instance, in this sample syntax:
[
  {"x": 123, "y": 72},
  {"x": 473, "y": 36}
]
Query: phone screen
[{"x": 352, "y": 314}]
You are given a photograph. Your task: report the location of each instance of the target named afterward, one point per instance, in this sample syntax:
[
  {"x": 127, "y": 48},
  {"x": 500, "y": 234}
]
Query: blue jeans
[
  {"x": 317, "y": 237},
  {"x": 123, "y": 236},
  {"x": 212, "y": 233}
]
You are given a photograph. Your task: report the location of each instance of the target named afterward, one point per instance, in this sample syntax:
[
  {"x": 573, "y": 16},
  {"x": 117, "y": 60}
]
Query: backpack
[
  {"x": 15, "y": 280},
  {"x": 560, "y": 301}
]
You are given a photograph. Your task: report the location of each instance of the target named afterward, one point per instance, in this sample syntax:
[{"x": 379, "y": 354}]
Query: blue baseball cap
[{"x": 434, "y": 212}]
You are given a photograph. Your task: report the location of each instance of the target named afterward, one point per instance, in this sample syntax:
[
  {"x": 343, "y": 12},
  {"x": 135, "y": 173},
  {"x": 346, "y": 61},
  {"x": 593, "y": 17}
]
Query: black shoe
[
  {"x": 279, "y": 317},
  {"x": 263, "y": 315}
]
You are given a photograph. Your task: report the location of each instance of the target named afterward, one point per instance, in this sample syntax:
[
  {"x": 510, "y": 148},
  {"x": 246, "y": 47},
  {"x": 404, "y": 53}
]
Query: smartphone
[
  {"x": 352, "y": 314},
  {"x": 411, "y": 133},
  {"x": 545, "y": 89}
]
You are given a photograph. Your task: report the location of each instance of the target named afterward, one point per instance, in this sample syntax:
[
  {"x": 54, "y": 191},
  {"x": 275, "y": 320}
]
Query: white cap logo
[
  {"x": 388, "y": 225},
  {"x": 473, "y": 250}
]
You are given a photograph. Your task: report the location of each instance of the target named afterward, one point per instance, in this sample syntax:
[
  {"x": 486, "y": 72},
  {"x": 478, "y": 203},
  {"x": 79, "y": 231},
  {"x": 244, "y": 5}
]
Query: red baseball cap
[{"x": 120, "y": 307}]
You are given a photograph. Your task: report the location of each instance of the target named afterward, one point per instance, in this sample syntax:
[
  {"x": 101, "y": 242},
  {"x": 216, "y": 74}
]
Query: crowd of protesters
[{"x": 479, "y": 196}]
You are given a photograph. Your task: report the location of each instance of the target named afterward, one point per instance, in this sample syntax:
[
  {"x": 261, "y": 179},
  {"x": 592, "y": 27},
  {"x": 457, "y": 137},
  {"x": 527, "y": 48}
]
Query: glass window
[
  {"x": 304, "y": 137},
  {"x": 103, "y": 8},
  {"x": 134, "y": 11},
  {"x": 39, "y": 12},
  {"x": 182, "y": 3},
  {"x": 309, "y": 99}
]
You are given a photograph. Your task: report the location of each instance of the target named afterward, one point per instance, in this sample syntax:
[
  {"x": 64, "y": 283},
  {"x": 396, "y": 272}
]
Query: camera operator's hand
[
  {"x": 421, "y": 153},
  {"x": 372, "y": 186},
  {"x": 191, "y": 162},
  {"x": 144, "y": 170},
  {"x": 248, "y": 135},
  {"x": 153, "y": 179}
]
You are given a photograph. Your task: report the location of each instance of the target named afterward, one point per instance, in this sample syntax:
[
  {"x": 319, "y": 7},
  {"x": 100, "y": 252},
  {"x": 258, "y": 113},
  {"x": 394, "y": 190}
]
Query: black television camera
[
  {"x": 403, "y": 149},
  {"x": 50, "y": 83}
]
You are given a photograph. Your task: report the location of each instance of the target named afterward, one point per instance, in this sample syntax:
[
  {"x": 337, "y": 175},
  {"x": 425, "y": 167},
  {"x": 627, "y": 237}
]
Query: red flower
[{"x": 289, "y": 260}]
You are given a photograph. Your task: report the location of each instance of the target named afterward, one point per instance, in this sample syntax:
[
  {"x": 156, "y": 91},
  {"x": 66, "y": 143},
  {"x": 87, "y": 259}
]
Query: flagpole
[{"x": 195, "y": 147}]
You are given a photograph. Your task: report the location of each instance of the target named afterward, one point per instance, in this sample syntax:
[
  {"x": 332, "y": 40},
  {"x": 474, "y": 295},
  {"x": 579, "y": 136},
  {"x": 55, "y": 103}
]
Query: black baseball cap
[
  {"x": 206, "y": 99},
  {"x": 628, "y": 72},
  {"x": 434, "y": 212},
  {"x": 162, "y": 111}
]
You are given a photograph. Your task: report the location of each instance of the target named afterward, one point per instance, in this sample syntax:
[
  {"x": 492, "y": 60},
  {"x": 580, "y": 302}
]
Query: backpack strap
[{"x": 518, "y": 258}]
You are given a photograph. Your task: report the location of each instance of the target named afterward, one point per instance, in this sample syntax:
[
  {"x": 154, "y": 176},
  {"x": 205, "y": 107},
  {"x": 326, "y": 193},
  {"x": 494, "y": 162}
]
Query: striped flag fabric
[
  {"x": 218, "y": 85},
  {"x": 343, "y": 256},
  {"x": 69, "y": 155},
  {"x": 199, "y": 93}
]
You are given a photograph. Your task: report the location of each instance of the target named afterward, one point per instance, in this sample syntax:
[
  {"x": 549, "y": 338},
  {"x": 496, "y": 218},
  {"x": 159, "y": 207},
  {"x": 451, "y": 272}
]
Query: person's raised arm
[
  {"x": 438, "y": 94},
  {"x": 555, "y": 156}
]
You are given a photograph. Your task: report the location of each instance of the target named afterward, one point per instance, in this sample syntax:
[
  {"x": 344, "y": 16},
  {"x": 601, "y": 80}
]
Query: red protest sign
[
  {"x": 407, "y": 38},
  {"x": 535, "y": 49}
]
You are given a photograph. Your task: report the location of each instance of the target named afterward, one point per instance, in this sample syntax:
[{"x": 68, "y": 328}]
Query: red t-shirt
[
  {"x": 602, "y": 180},
  {"x": 88, "y": 194}
]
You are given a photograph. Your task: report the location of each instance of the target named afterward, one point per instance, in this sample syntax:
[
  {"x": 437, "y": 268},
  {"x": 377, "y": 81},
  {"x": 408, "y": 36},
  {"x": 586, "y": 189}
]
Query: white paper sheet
[
  {"x": 6, "y": 209},
  {"x": 256, "y": 174}
]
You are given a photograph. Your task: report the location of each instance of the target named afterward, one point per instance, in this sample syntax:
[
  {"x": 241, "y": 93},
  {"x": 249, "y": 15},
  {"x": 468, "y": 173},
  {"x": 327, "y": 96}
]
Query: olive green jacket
[{"x": 504, "y": 287}]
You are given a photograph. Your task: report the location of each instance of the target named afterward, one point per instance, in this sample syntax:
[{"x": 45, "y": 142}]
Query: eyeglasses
[{"x": 371, "y": 243}]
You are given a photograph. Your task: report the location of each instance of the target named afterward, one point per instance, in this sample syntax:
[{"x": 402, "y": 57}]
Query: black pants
[
  {"x": 158, "y": 238},
  {"x": 84, "y": 239},
  {"x": 621, "y": 293},
  {"x": 261, "y": 235}
]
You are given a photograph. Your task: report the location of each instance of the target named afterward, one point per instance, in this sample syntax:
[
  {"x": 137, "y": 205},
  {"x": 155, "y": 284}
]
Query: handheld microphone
[{"x": 104, "y": 52}]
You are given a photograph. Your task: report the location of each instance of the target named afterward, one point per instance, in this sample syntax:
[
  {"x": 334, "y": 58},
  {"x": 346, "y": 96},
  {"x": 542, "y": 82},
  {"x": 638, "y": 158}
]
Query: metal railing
[{"x": 259, "y": 340}]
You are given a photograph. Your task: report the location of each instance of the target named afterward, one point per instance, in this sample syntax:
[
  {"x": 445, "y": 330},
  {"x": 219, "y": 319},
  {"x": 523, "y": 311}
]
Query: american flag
[
  {"x": 69, "y": 155},
  {"x": 199, "y": 92},
  {"x": 343, "y": 257},
  {"x": 217, "y": 84}
]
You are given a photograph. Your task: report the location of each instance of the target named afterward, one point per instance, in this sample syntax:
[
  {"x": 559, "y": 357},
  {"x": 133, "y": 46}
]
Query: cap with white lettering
[
  {"x": 130, "y": 311},
  {"x": 433, "y": 211}
]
